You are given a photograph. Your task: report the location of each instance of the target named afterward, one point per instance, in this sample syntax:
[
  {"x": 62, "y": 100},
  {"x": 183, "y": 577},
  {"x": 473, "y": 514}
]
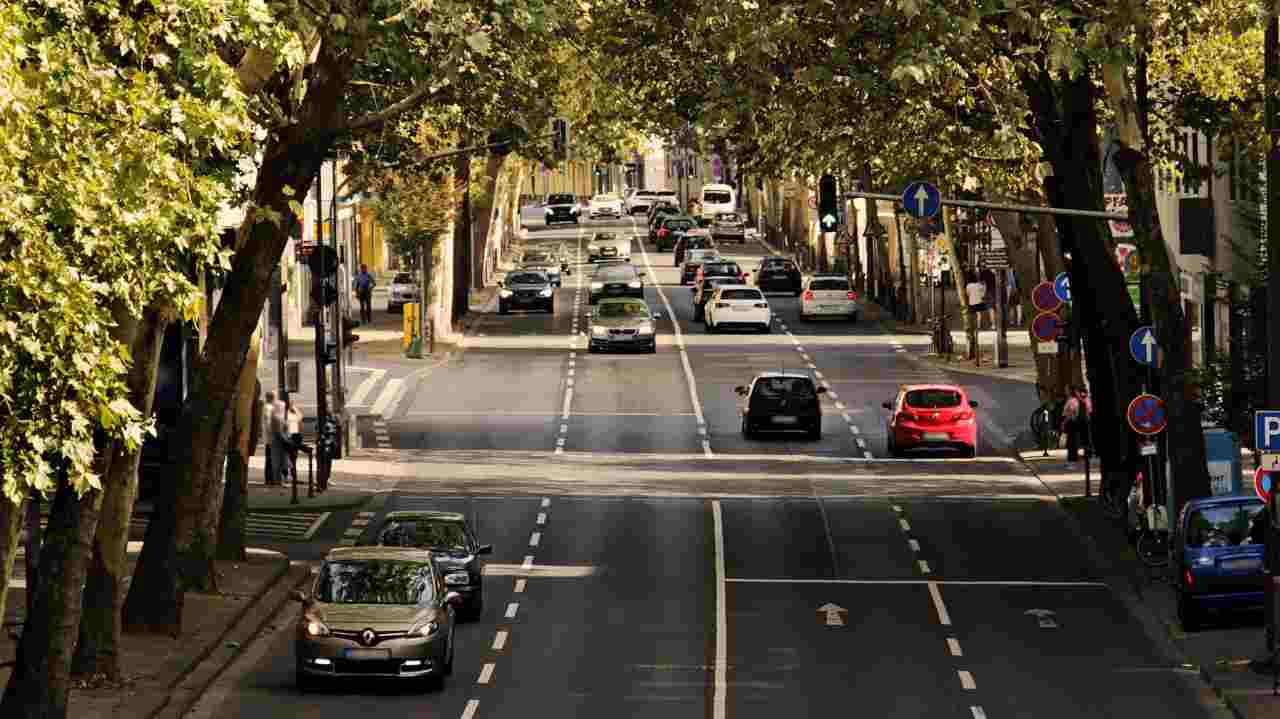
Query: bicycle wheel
[
  {"x": 1153, "y": 548},
  {"x": 1040, "y": 422}
]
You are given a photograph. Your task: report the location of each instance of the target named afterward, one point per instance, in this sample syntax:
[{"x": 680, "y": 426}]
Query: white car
[
  {"x": 641, "y": 200},
  {"x": 403, "y": 290},
  {"x": 829, "y": 296},
  {"x": 606, "y": 205},
  {"x": 738, "y": 306}
]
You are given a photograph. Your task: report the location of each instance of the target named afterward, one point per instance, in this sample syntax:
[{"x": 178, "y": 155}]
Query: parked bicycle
[
  {"x": 1152, "y": 542},
  {"x": 943, "y": 343},
  {"x": 1046, "y": 424}
]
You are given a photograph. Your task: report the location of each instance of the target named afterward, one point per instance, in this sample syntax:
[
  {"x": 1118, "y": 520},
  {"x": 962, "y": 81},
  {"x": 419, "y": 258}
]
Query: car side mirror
[
  {"x": 887, "y": 405},
  {"x": 973, "y": 404},
  {"x": 453, "y": 599},
  {"x": 485, "y": 549},
  {"x": 822, "y": 390},
  {"x": 740, "y": 390},
  {"x": 298, "y": 596}
]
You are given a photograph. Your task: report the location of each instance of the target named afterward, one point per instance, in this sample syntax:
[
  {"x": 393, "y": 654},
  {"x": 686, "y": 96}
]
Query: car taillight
[
  {"x": 722, "y": 304},
  {"x": 1186, "y": 574},
  {"x": 963, "y": 416},
  {"x": 808, "y": 295},
  {"x": 853, "y": 295}
]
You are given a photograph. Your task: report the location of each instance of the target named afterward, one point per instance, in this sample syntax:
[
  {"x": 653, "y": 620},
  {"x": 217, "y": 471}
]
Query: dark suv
[
  {"x": 669, "y": 229},
  {"x": 778, "y": 401},
  {"x": 562, "y": 207},
  {"x": 778, "y": 274},
  {"x": 526, "y": 290}
]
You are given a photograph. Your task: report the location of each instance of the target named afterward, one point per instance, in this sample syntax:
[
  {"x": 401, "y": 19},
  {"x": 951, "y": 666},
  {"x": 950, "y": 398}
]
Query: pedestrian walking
[
  {"x": 268, "y": 407},
  {"x": 1076, "y": 414},
  {"x": 364, "y": 292},
  {"x": 279, "y": 440},
  {"x": 976, "y": 297},
  {"x": 293, "y": 431},
  {"x": 1015, "y": 305}
]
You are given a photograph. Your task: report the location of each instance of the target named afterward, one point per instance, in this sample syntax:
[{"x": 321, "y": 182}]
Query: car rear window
[
  {"x": 1225, "y": 525},
  {"x": 778, "y": 265},
  {"x": 427, "y": 534},
  {"x": 716, "y": 196},
  {"x": 784, "y": 387},
  {"x": 933, "y": 398},
  {"x": 527, "y": 278},
  {"x": 679, "y": 225},
  {"x": 720, "y": 268},
  {"x": 740, "y": 295},
  {"x": 834, "y": 284}
]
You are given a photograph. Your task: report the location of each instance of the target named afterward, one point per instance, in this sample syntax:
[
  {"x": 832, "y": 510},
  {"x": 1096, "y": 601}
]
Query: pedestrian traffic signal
[
  {"x": 828, "y": 209},
  {"x": 559, "y": 137}
]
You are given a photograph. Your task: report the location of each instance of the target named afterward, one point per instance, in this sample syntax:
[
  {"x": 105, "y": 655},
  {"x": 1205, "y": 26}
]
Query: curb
[
  {"x": 217, "y": 656},
  {"x": 291, "y": 509},
  {"x": 148, "y": 705},
  {"x": 956, "y": 367},
  {"x": 1125, "y": 587}
]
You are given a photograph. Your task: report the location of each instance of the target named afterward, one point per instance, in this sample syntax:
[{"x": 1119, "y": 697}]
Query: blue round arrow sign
[
  {"x": 1062, "y": 286},
  {"x": 1143, "y": 346},
  {"x": 921, "y": 200}
]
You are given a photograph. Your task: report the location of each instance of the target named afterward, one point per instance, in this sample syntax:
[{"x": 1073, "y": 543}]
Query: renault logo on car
[{"x": 368, "y": 636}]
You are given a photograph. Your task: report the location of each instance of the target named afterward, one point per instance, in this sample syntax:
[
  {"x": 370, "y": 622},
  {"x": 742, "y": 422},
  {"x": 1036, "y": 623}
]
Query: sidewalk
[{"x": 1221, "y": 654}]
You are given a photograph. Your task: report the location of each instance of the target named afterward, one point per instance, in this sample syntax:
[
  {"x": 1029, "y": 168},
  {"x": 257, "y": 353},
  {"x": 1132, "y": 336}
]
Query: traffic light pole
[
  {"x": 322, "y": 390},
  {"x": 339, "y": 326}
]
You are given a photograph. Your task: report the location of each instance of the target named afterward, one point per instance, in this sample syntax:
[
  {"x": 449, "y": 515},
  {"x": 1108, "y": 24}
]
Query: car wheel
[
  {"x": 305, "y": 682},
  {"x": 853, "y": 317},
  {"x": 503, "y": 309},
  {"x": 747, "y": 431},
  {"x": 551, "y": 307},
  {"x": 699, "y": 314},
  {"x": 653, "y": 348},
  {"x": 766, "y": 328},
  {"x": 971, "y": 452},
  {"x": 804, "y": 317},
  {"x": 1189, "y": 616},
  {"x": 815, "y": 432}
]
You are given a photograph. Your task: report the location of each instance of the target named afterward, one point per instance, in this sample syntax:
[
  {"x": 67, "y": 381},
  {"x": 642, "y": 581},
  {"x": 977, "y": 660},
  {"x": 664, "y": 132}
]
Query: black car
[
  {"x": 703, "y": 292},
  {"x": 778, "y": 274},
  {"x": 686, "y": 242},
  {"x": 452, "y": 543},
  {"x": 670, "y": 228},
  {"x": 689, "y": 270},
  {"x": 561, "y": 207},
  {"x": 616, "y": 280},
  {"x": 526, "y": 290},
  {"x": 781, "y": 401}
]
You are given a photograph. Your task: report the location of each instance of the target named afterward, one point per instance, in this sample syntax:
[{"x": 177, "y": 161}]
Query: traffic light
[
  {"x": 828, "y": 207},
  {"x": 348, "y": 340},
  {"x": 559, "y": 137},
  {"x": 323, "y": 263}
]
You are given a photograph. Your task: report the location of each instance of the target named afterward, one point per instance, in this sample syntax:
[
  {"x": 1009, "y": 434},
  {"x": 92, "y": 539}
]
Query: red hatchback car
[{"x": 932, "y": 416}]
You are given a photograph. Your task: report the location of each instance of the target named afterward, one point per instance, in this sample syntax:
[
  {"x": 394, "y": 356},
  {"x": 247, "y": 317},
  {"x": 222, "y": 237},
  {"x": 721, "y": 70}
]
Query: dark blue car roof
[{"x": 1224, "y": 499}]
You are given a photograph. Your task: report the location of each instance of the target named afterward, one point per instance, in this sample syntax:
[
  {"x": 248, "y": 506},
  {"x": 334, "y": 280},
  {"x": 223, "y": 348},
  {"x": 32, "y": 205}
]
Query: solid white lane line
[
  {"x": 546, "y": 502},
  {"x": 953, "y": 646},
  {"x": 966, "y": 680},
  {"x": 924, "y": 566},
  {"x": 469, "y": 711},
  {"x": 366, "y": 386},
  {"x": 535, "y": 538},
  {"x": 499, "y": 640},
  {"x": 978, "y": 713},
  {"x": 706, "y": 449},
  {"x": 486, "y": 673},
  {"x": 564, "y": 428},
  {"x": 568, "y": 397},
  {"x": 915, "y": 546},
  {"x": 943, "y": 618},
  {"x": 722, "y": 640},
  {"x": 906, "y": 526},
  {"x": 384, "y": 398},
  {"x": 528, "y": 562},
  {"x": 512, "y": 608},
  {"x": 889, "y": 582},
  {"x": 542, "y": 518},
  {"x": 520, "y": 583}
]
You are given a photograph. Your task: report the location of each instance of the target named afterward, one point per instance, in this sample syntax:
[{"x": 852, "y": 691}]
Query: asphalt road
[{"x": 649, "y": 562}]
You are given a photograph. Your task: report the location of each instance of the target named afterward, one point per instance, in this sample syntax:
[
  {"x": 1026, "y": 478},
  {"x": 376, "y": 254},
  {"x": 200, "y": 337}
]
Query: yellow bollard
[{"x": 410, "y": 325}]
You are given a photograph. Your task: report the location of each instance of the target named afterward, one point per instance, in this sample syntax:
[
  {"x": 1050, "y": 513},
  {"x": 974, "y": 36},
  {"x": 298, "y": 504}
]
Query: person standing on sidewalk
[
  {"x": 1015, "y": 305},
  {"x": 1076, "y": 414},
  {"x": 293, "y": 432},
  {"x": 268, "y": 412},
  {"x": 279, "y": 440},
  {"x": 364, "y": 292},
  {"x": 975, "y": 293}
]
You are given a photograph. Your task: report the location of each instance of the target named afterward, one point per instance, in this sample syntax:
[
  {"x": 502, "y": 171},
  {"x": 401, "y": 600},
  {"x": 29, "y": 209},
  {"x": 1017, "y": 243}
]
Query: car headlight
[
  {"x": 546, "y": 292},
  {"x": 549, "y": 212},
  {"x": 634, "y": 284},
  {"x": 504, "y": 293},
  {"x": 597, "y": 285},
  {"x": 646, "y": 328},
  {"x": 317, "y": 629},
  {"x": 574, "y": 210},
  {"x": 457, "y": 578},
  {"x": 597, "y": 331},
  {"x": 426, "y": 629}
]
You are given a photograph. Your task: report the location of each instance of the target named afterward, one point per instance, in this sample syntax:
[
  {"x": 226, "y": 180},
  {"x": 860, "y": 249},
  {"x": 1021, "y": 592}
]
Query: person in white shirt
[{"x": 976, "y": 297}]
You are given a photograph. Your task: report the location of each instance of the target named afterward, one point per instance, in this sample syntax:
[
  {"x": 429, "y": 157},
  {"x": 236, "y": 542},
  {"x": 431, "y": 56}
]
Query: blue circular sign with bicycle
[{"x": 1147, "y": 414}]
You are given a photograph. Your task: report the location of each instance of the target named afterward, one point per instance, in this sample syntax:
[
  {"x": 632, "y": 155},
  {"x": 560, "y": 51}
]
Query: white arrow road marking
[{"x": 832, "y": 614}]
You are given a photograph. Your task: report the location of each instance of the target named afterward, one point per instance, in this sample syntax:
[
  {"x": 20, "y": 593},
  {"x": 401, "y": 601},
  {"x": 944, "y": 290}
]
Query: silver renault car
[
  {"x": 376, "y": 612},
  {"x": 622, "y": 323}
]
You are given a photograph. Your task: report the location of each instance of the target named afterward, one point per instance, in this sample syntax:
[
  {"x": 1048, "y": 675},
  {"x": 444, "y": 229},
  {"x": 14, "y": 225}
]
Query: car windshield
[
  {"x": 718, "y": 196},
  {"x": 423, "y": 533},
  {"x": 773, "y": 387},
  {"x": 740, "y": 294},
  {"x": 375, "y": 581},
  {"x": 404, "y": 278},
  {"x": 624, "y": 309},
  {"x": 933, "y": 398},
  {"x": 679, "y": 225},
  {"x": 830, "y": 284},
  {"x": 560, "y": 199},
  {"x": 527, "y": 278},
  {"x": 1225, "y": 525},
  {"x": 604, "y": 237}
]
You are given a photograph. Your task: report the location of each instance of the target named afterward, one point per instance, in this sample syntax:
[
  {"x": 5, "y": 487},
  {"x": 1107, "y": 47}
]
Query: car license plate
[
  {"x": 741, "y": 309},
  {"x": 784, "y": 419},
  {"x": 1246, "y": 563},
  {"x": 935, "y": 436},
  {"x": 367, "y": 653}
]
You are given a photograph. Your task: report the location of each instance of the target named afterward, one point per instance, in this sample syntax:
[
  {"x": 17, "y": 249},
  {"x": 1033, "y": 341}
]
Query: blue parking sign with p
[{"x": 1266, "y": 431}]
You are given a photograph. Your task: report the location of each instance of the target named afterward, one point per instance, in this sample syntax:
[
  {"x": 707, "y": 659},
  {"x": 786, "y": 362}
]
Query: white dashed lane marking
[
  {"x": 953, "y": 646},
  {"x": 520, "y": 583},
  {"x": 469, "y": 711},
  {"x": 966, "y": 680},
  {"x": 486, "y": 673},
  {"x": 512, "y": 608},
  {"x": 500, "y": 640}
]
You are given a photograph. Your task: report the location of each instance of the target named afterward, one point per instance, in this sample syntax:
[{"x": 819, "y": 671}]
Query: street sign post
[
  {"x": 1147, "y": 415},
  {"x": 1266, "y": 431},
  {"x": 921, "y": 200},
  {"x": 1062, "y": 286},
  {"x": 1047, "y": 326},
  {"x": 1143, "y": 347},
  {"x": 1044, "y": 298}
]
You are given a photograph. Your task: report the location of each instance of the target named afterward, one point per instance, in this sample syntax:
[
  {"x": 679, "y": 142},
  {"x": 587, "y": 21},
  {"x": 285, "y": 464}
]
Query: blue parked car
[{"x": 1219, "y": 556}]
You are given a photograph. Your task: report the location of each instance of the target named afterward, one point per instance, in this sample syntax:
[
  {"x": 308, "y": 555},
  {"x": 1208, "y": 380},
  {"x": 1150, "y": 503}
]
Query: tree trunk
[
  {"x": 41, "y": 680},
  {"x": 1186, "y": 435},
  {"x": 178, "y": 550},
  {"x": 35, "y": 540},
  {"x": 10, "y": 532},
  {"x": 462, "y": 248},
  {"x": 246, "y": 428},
  {"x": 484, "y": 219},
  {"x": 97, "y": 651},
  {"x": 1065, "y": 118}
]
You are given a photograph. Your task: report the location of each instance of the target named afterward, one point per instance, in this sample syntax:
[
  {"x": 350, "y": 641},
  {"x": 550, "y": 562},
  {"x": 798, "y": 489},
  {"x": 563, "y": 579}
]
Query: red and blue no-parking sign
[
  {"x": 1147, "y": 414},
  {"x": 1262, "y": 483}
]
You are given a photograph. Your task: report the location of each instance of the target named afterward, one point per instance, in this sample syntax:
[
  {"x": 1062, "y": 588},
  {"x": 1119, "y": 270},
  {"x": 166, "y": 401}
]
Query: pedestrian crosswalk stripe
[{"x": 287, "y": 525}]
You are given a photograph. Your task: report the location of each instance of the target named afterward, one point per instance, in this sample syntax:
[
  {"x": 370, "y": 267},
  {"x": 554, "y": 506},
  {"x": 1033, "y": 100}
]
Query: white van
[{"x": 717, "y": 199}]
